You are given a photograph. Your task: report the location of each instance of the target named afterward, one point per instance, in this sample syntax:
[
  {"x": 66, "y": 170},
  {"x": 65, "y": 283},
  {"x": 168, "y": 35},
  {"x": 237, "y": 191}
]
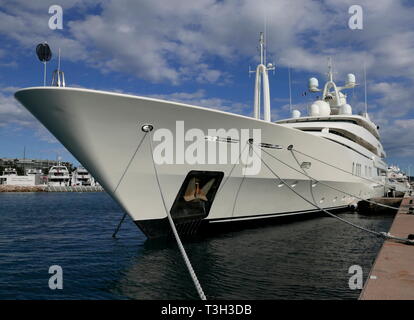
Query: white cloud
[
  {"x": 175, "y": 42},
  {"x": 14, "y": 116},
  {"x": 398, "y": 139},
  {"x": 199, "y": 98},
  {"x": 394, "y": 98}
]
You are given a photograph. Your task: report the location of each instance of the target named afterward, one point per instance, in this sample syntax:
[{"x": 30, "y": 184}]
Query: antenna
[
  {"x": 290, "y": 91},
  {"x": 261, "y": 44},
  {"x": 330, "y": 69},
  {"x": 59, "y": 61},
  {"x": 265, "y": 39},
  {"x": 58, "y": 77},
  {"x": 365, "y": 87}
]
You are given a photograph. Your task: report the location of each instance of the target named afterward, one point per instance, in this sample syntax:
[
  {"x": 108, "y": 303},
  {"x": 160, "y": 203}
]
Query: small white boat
[
  {"x": 9, "y": 172},
  {"x": 81, "y": 177},
  {"x": 397, "y": 180},
  {"x": 58, "y": 176}
]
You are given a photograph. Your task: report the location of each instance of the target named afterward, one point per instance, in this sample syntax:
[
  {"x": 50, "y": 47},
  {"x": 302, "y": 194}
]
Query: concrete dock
[
  {"x": 371, "y": 208},
  {"x": 392, "y": 275}
]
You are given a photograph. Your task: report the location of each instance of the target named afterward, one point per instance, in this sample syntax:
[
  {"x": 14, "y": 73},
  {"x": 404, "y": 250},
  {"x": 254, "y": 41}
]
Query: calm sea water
[{"x": 299, "y": 260}]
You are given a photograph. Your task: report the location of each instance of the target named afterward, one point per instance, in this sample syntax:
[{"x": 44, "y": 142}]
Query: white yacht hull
[{"x": 102, "y": 130}]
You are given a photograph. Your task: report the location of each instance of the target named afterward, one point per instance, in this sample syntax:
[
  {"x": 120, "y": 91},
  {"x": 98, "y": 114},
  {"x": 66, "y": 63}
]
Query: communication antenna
[
  {"x": 265, "y": 39},
  {"x": 330, "y": 69},
  {"x": 59, "y": 61},
  {"x": 58, "y": 78},
  {"x": 365, "y": 88},
  {"x": 44, "y": 54},
  {"x": 290, "y": 91}
]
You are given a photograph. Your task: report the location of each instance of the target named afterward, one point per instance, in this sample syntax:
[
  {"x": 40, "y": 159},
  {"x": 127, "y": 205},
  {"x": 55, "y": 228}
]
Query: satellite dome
[
  {"x": 350, "y": 79},
  {"x": 320, "y": 108},
  {"x": 313, "y": 84},
  {"x": 295, "y": 114},
  {"x": 314, "y": 110},
  {"x": 345, "y": 109}
]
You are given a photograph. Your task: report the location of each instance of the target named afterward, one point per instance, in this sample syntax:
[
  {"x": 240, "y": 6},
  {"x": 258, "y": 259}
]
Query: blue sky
[{"x": 199, "y": 52}]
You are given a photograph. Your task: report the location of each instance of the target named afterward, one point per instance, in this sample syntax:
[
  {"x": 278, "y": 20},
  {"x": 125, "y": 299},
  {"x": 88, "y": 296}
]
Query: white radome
[
  {"x": 313, "y": 84},
  {"x": 295, "y": 114},
  {"x": 345, "y": 109},
  {"x": 350, "y": 79},
  {"x": 320, "y": 108}
]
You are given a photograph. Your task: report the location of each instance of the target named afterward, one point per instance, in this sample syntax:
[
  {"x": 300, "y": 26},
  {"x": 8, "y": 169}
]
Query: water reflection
[{"x": 301, "y": 260}]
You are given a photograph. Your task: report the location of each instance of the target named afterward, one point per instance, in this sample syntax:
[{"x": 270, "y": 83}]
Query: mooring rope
[
  {"x": 119, "y": 225},
  {"x": 130, "y": 161},
  {"x": 325, "y": 184},
  {"x": 177, "y": 237},
  {"x": 385, "y": 235},
  {"x": 231, "y": 171},
  {"x": 340, "y": 169},
  {"x": 122, "y": 178},
  {"x": 241, "y": 182}
]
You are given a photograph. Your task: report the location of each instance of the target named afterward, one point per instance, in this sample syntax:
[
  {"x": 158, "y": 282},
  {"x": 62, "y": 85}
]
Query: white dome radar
[
  {"x": 320, "y": 108},
  {"x": 350, "y": 79},
  {"x": 314, "y": 110},
  {"x": 295, "y": 114},
  {"x": 313, "y": 85},
  {"x": 345, "y": 109}
]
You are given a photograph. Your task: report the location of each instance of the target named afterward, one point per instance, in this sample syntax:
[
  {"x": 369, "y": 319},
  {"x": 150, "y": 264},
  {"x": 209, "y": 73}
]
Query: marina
[
  {"x": 45, "y": 176},
  {"x": 213, "y": 150}
]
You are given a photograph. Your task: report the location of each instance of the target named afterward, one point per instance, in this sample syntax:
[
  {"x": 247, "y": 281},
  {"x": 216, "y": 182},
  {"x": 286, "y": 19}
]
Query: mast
[
  {"x": 262, "y": 78},
  {"x": 330, "y": 72},
  {"x": 290, "y": 91},
  {"x": 261, "y": 44}
]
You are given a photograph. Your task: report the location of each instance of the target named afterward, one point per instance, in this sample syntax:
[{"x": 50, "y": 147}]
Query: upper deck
[{"x": 355, "y": 119}]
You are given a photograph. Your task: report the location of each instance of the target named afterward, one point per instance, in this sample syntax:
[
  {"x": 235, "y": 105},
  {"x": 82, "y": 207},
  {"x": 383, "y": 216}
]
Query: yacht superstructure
[
  {"x": 331, "y": 157},
  {"x": 58, "y": 176},
  {"x": 397, "y": 180},
  {"x": 30, "y": 172},
  {"x": 9, "y": 172},
  {"x": 81, "y": 177}
]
